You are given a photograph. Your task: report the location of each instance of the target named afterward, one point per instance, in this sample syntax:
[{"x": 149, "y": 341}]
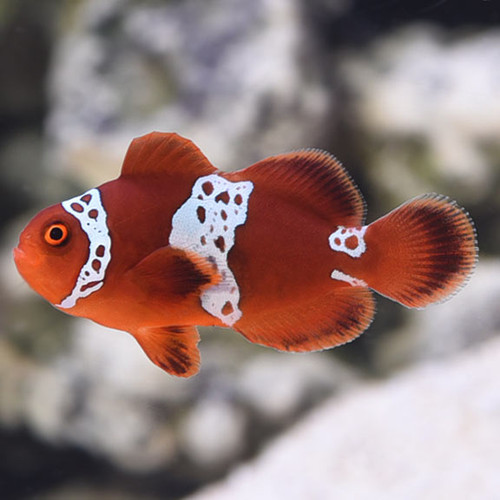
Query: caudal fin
[{"x": 422, "y": 252}]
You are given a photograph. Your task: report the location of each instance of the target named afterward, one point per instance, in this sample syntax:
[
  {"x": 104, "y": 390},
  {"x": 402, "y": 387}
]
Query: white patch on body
[
  {"x": 205, "y": 223},
  {"x": 357, "y": 246},
  {"x": 339, "y": 275},
  {"x": 90, "y": 212}
]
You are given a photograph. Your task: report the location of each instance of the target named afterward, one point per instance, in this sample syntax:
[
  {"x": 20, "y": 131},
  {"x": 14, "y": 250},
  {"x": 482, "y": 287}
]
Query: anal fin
[
  {"x": 172, "y": 348},
  {"x": 321, "y": 323}
]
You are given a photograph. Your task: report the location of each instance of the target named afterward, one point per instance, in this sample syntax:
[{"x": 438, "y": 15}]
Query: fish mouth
[
  {"x": 19, "y": 255},
  {"x": 22, "y": 259}
]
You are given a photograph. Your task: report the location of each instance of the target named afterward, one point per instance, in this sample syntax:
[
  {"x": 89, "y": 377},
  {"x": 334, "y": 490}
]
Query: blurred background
[{"x": 406, "y": 94}]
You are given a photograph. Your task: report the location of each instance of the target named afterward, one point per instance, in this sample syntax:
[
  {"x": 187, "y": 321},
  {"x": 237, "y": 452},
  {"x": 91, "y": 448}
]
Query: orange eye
[{"x": 56, "y": 234}]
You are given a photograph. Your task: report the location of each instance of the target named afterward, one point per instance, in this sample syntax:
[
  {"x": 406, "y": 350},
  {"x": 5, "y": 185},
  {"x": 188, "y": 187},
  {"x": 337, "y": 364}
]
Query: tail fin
[{"x": 422, "y": 252}]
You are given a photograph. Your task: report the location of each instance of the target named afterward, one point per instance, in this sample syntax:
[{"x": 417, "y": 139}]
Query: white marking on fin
[
  {"x": 205, "y": 223},
  {"x": 339, "y": 237},
  {"x": 339, "y": 275},
  {"x": 90, "y": 212}
]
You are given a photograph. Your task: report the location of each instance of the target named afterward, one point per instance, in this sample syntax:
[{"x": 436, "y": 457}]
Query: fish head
[{"x": 51, "y": 251}]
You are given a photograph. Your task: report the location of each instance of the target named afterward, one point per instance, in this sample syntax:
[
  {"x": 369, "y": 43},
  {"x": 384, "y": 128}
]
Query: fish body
[{"x": 278, "y": 251}]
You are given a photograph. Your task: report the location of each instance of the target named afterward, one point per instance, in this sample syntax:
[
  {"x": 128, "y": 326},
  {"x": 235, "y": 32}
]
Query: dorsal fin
[
  {"x": 157, "y": 152},
  {"x": 313, "y": 178}
]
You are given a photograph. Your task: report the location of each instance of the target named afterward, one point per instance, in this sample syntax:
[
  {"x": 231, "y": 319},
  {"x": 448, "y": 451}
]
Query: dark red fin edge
[{"x": 421, "y": 253}]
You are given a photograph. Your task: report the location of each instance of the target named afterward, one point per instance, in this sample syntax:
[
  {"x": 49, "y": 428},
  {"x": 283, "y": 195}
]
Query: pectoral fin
[
  {"x": 171, "y": 273},
  {"x": 173, "y": 348}
]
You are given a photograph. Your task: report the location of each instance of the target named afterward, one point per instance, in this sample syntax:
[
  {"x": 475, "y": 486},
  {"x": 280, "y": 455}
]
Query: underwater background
[{"x": 407, "y": 95}]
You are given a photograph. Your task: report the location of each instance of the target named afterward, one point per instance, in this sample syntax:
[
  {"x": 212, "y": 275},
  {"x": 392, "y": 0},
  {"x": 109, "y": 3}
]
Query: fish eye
[{"x": 56, "y": 234}]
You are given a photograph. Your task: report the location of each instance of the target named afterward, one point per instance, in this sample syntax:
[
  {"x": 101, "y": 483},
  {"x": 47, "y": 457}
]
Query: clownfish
[{"x": 278, "y": 251}]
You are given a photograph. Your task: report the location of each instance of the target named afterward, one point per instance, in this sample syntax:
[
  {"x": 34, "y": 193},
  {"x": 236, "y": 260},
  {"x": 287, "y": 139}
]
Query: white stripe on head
[
  {"x": 90, "y": 212},
  {"x": 205, "y": 223}
]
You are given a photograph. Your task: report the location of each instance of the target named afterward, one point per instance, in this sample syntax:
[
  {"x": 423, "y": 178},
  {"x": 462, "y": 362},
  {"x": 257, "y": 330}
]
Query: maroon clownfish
[{"x": 278, "y": 251}]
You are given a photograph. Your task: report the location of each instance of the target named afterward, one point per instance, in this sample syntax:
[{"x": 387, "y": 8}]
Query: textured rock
[
  {"x": 183, "y": 66},
  {"x": 277, "y": 386},
  {"x": 214, "y": 432},
  {"x": 429, "y": 433},
  {"x": 243, "y": 79},
  {"x": 439, "y": 331},
  {"x": 79, "y": 398},
  {"x": 431, "y": 106}
]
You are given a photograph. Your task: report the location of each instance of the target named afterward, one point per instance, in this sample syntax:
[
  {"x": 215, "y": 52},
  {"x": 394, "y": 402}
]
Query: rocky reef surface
[
  {"x": 431, "y": 432},
  {"x": 407, "y": 98}
]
